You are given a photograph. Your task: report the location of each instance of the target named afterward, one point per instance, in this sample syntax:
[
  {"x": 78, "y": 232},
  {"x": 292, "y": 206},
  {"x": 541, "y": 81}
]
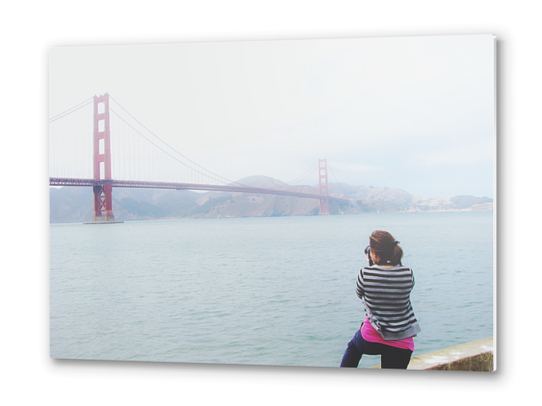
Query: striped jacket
[{"x": 385, "y": 292}]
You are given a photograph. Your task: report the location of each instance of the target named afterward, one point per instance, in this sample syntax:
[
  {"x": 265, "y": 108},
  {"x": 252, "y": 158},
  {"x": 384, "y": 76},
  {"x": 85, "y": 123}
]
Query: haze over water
[{"x": 265, "y": 291}]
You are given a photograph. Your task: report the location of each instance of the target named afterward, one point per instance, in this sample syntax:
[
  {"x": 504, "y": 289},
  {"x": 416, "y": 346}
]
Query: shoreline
[{"x": 301, "y": 215}]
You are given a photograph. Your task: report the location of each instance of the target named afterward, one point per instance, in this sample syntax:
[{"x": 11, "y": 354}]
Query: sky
[{"x": 415, "y": 113}]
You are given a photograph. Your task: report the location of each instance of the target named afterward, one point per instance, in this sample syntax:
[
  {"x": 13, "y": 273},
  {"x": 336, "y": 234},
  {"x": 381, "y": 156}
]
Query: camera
[{"x": 368, "y": 252}]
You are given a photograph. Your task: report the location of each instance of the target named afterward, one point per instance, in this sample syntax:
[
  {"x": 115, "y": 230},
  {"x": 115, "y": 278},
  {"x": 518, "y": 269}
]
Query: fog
[{"x": 416, "y": 113}]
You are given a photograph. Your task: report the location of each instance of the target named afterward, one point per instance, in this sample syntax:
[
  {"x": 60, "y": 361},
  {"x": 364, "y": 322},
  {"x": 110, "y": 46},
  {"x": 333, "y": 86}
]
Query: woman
[{"x": 390, "y": 325}]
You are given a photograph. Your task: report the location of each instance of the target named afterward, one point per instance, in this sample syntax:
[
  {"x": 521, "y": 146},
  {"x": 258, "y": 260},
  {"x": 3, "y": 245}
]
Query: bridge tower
[
  {"x": 322, "y": 183},
  {"x": 103, "y": 201}
]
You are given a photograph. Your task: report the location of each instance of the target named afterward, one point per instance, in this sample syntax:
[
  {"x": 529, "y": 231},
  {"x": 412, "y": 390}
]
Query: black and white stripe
[{"x": 385, "y": 292}]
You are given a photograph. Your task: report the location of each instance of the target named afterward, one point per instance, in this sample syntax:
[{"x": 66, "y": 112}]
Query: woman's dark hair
[{"x": 386, "y": 247}]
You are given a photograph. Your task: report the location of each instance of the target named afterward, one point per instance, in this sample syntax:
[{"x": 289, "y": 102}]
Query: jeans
[{"x": 390, "y": 357}]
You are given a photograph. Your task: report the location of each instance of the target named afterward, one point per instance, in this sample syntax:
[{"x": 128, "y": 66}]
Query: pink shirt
[{"x": 370, "y": 334}]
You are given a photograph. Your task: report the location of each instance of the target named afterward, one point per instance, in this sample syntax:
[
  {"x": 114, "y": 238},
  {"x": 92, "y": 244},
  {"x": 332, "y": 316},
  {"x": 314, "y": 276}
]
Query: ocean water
[{"x": 258, "y": 291}]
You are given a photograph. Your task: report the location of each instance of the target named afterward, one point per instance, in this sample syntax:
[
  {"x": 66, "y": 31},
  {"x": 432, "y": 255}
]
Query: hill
[{"x": 75, "y": 204}]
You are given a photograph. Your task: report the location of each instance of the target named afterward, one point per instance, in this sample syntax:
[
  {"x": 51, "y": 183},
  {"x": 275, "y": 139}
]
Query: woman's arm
[{"x": 359, "y": 285}]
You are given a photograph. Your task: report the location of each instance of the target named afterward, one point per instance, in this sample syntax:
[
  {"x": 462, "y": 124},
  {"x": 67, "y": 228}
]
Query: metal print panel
[{"x": 315, "y": 203}]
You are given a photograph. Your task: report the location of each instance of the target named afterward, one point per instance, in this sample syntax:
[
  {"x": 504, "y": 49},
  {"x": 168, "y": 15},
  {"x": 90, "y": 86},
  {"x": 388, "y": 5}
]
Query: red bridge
[{"x": 142, "y": 160}]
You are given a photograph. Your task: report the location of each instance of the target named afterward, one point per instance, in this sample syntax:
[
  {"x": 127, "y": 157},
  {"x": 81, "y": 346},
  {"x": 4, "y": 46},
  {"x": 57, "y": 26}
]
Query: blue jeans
[{"x": 390, "y": 357}]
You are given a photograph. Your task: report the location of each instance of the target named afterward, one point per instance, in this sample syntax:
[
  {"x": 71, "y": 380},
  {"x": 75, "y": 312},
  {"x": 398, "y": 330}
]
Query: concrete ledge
[{"x": 474, "y": 356}]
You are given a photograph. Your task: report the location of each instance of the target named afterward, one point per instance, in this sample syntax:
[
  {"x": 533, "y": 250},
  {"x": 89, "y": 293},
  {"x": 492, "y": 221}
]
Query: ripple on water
[{"x": 272, "y": 291}]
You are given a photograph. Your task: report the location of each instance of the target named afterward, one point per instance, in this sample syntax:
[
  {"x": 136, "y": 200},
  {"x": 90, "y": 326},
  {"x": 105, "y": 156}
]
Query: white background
[{"x": 28, "y": 30}]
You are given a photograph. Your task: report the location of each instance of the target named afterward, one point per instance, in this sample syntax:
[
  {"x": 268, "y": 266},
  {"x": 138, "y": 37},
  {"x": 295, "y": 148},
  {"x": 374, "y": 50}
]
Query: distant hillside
[
  {"x": 70, "y": 204},
  {"x": 75, "y": 204},
  {"x": 255, "y": 205}
]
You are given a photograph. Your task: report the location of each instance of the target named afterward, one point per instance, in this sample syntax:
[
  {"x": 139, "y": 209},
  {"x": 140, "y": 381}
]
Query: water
[{"x": 259, "y": 291}]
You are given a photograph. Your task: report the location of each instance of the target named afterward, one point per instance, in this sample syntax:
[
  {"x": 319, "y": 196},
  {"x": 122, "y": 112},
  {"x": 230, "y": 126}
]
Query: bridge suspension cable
[
  {"x": 71, "y": 110},
  {"x": 70, "y": 142},
  {"x": 137, "y": 153},
  {"x": 336, "y": 180},
  {"x": 305, "y": 175},
  {"x": 170, "y": 151}
]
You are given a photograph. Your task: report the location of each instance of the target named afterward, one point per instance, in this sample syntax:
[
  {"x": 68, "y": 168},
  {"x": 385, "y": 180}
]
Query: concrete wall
[{"x": 474, "y": 356}]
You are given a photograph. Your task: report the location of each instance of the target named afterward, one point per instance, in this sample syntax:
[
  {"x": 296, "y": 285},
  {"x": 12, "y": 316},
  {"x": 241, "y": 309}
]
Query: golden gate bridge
[{"x": 99, "y": 144}]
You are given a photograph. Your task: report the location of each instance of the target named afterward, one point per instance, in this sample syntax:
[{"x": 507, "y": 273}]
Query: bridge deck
[{"x": 189, "y": 186}]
